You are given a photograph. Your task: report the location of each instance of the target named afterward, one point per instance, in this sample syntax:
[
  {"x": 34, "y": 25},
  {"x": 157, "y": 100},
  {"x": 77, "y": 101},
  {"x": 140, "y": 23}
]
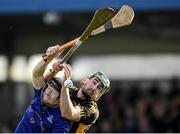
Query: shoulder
[
  {"x": 89, "y": 112},
  {"x": 90, "y": 106},
  {"x": 38, "y": 91}
]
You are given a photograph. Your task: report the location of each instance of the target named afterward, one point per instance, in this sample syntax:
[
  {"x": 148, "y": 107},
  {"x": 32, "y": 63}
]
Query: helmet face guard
[
  {"x": 89, "y": 89},
  {"x": 95, "y": 90},
  {"x": 104, "y": 80},
  {"x": 55, "y": 84}
]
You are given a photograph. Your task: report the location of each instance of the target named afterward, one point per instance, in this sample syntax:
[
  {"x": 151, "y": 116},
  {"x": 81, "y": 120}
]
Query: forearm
[
  {"x": 38, "y": 78},
  {"x": 50, "y": 74},
  {"x": 66, "y": 105},
  {"x": 68, "y": 110},
  {"x": 50, "y": 54},
  {"x": 40, "y": 68}
]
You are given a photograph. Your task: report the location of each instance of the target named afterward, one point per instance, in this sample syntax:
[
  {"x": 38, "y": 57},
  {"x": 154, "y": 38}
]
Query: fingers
[
  {"x": 57, "y": 66},
  {"x": 67, "y": 71},
  {"x": 52, "y": 50}
]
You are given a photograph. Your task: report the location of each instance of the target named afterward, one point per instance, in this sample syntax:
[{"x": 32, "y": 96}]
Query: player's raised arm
[
  {"x": 38, "y": 78},
  {"x": 68, "y": 110}
]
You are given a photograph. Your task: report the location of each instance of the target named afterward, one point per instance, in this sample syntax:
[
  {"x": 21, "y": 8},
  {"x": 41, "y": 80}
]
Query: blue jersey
[{"x": 42, "y": 118}]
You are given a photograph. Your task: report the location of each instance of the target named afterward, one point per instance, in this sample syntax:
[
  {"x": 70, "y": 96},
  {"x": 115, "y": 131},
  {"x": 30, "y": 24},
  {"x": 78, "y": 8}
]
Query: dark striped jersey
[{"x": 89, "y": 114}]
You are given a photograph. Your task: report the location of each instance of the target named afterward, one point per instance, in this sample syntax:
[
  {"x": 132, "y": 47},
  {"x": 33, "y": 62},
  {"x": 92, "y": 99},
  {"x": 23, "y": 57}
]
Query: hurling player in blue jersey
[{"x": 43, "y": 114}]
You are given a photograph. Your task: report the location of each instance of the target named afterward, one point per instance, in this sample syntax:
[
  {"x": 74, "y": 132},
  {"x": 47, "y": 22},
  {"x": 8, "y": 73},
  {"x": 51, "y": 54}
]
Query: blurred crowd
[
  {"x": 140, "y": 107},
  {"x": 133, "y": 106}
]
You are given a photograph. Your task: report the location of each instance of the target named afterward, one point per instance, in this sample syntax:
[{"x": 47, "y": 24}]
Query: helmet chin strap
[
  {"x": 85, "y": 93},
  {"x": 78, "y": 99}
]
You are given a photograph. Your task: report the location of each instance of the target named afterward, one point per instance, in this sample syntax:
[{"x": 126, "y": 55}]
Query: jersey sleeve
[
  {"x": 89, "y": 113},
  {"x": 37, "y": 91}
]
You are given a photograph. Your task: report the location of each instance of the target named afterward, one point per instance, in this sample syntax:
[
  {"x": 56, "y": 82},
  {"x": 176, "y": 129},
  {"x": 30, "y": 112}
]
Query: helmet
[
  {"x": 89, "y": 88},
  {"x": 104, "y": 80},
  {"x": 54, "y": 82}
]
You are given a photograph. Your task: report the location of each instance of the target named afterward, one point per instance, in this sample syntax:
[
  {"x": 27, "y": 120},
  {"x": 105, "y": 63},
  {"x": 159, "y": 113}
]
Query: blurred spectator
[
  {"x": 135, "y": 109},
  {"x": 130, "y": 124},
  {"x": 4, "y": 128}
]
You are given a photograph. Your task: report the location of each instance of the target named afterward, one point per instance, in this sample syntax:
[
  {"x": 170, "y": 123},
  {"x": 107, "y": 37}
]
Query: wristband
[
  {"x": 52, "y": 71},
  {"x": 68, "y": 84}
]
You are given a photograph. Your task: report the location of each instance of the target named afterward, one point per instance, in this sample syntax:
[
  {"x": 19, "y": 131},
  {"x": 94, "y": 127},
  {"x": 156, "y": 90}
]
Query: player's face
[
  {"x": 50, "y": 95},
  {"x": 92, "y": 86}
]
